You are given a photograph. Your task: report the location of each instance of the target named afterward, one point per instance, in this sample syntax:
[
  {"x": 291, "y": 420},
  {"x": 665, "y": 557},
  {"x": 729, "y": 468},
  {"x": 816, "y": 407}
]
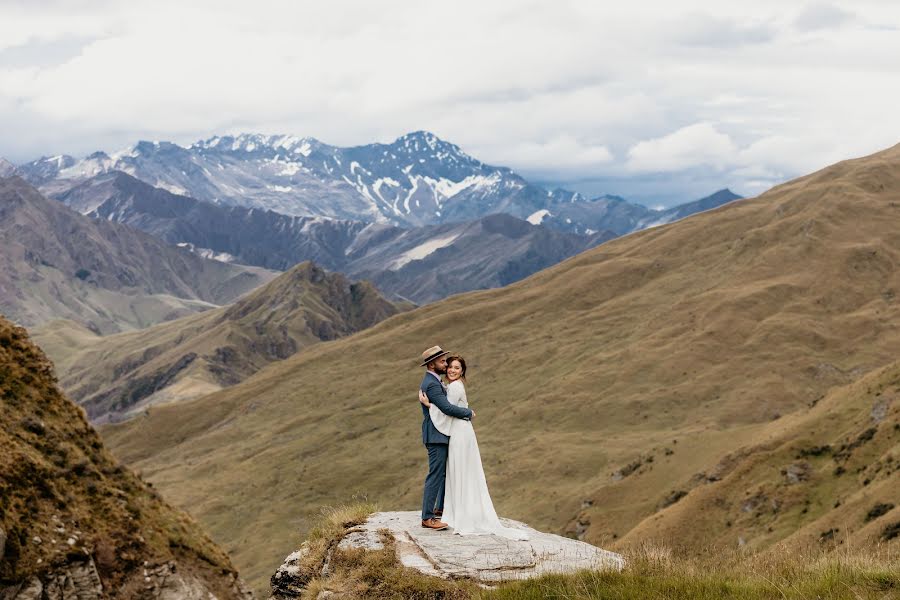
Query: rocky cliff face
[{"x": 74, "y": 524}]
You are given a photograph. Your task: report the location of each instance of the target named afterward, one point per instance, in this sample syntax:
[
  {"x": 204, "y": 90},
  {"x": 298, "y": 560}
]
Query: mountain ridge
[
  {"x": 418, "y": 179},
  {"x": 420, "y": 264},
  {"x": 60, "y": 264},
  {"x": 117, "y": 376}
]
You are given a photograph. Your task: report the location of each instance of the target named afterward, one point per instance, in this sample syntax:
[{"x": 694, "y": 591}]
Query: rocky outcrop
[
  {"x": 487, "y": 559},
  {"x": 76, "y": 525},
  {"x": 75, "y": 581},
  {"x": 80, "y": 581}
]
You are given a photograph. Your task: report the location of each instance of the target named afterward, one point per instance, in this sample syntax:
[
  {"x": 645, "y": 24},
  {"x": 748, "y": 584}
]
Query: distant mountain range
[
  {"x": 422, "y": 264},
  {"x": 56, "y": 263},
  {"x": 418, "y": 217},
  {"x": 416, "y": 180}
]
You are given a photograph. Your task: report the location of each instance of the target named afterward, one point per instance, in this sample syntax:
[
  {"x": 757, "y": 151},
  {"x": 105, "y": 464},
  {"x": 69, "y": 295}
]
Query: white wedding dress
[{"x": 468, "y": 508}]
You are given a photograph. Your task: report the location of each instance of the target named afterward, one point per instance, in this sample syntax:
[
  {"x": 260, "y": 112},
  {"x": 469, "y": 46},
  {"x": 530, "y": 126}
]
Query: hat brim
[{"x": 435, "y": 357}]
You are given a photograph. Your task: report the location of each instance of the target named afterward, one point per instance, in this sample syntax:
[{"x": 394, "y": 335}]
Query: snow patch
[
  {"x": 87, "y": 168},
  {"x": 172, "y": 188},
  {"x": 289, "y": 169},
  {"x": 422, "y": 250},
  {"x": 537, "y": 217},
  {"x": 448, "y": 188},
  {"x": 415, "y": 186},
  {"x": 207, "y": 252}
]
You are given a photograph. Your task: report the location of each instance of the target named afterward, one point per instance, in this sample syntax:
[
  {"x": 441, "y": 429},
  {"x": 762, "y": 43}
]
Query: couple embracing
[{"x": 456, "y": 493}]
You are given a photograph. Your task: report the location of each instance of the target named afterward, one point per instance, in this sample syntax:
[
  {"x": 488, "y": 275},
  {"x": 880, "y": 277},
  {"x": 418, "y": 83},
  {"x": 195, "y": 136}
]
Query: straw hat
[{"x": 431, "y": 354}]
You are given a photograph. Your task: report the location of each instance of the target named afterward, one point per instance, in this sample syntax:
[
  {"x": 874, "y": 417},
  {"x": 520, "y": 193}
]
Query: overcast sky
[{"x": 657, "y": 101}]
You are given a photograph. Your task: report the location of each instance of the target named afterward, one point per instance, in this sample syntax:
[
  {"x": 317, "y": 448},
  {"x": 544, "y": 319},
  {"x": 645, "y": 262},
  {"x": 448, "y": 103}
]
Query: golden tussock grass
[
  {"x": 652, "y": 571},
  {"x": 658, "y": 572}
]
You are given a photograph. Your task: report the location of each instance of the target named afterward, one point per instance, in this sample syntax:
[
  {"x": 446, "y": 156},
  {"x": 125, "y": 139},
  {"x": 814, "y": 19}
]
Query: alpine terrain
[
  {"x": 735, "y": 369},
  {"x": 421, "y": 264}
]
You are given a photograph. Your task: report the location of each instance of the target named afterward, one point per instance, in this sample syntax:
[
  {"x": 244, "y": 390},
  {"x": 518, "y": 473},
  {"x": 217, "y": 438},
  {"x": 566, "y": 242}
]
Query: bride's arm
[
  {"x": 437, "y": 397},
  {"x": 456, "y": 391}
]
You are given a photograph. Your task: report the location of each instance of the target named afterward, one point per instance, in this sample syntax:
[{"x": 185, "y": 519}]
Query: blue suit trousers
[{"x": 434, "y": 482}]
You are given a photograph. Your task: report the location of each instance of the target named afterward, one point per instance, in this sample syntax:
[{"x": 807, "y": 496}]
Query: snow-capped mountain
[
  {"x": 422, "y": 263},
  {"x": 6, "y": 168},
  {"x": 616, "y": 214},
  {"x": 417, "y": 179}
]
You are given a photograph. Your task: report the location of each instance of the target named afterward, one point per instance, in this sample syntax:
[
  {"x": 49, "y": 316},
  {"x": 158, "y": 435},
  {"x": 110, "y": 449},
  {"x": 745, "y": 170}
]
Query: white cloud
[
  {"x": 565, "y": 88},
  {"x": 559, "y": 154},
  {"x": 700, "y": 29},
  {"x": 698, "y": 145},
  {"x": 822, "y": 15}
]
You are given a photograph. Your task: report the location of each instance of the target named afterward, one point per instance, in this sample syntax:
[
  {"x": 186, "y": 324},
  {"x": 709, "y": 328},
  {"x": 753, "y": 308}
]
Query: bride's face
[{"x": 454, "y": 370}]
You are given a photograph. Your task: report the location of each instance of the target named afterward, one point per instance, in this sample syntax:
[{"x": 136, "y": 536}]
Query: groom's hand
[{"x": 473, "y": 415}]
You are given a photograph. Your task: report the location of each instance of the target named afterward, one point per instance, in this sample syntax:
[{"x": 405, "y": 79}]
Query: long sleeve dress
[{"x": 468, "y": 508}]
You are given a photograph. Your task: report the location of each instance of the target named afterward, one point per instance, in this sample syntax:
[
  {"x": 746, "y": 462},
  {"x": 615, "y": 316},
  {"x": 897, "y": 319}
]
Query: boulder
[{"x": 290, "y": 579}]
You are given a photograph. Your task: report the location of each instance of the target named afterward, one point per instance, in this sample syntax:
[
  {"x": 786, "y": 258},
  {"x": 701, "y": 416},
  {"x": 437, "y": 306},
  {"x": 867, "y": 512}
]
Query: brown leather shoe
[{"x": 434, "y": 524}]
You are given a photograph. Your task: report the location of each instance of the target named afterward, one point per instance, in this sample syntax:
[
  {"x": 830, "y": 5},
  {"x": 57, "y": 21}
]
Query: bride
[{"x": 468, "y": 508}]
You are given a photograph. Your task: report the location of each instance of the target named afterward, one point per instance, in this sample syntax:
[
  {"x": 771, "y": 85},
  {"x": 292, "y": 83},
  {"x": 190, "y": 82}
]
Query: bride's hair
[{"x": 462, "y": 363}]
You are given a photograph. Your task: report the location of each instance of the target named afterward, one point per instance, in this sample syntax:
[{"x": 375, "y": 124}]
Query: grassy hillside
[
  {"x": 64, "y": 500},
  {"x": 821, "y": 477},
  {"x": 116, "y": 376},
  {"x": 612, "y": 378}
]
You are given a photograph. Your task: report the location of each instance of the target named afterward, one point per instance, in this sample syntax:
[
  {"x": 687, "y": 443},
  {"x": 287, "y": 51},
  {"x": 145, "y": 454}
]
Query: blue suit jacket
[{"x": 432, "y": 387}]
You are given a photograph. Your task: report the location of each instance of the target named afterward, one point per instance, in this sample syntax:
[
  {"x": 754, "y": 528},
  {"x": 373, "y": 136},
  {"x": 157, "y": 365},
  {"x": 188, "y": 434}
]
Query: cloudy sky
[{"x": 657, "y": 101}]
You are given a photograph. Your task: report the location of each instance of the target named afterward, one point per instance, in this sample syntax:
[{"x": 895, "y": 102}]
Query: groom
[{"x": 435, "y": 362}]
